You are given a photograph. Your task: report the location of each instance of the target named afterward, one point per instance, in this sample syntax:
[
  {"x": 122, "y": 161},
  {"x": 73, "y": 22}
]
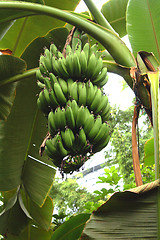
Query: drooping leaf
[
  {"x": 115, "y": 13},
  {"x": 41, "y": 215},
  {"x": 32, "y": 233},
  {"x": 143, "y": 26},
  {"x": 57, "y": 36},
  {"x": 26, "y": 29},
  {"x": 149, "y": 152},
  {"x": 71, "y": 229},
  {"x": 13, "y": 221},
  {"x": 9, "y": 66},
  {"x": 126, "y": 215},
  {"x": 37, "y": 179}
]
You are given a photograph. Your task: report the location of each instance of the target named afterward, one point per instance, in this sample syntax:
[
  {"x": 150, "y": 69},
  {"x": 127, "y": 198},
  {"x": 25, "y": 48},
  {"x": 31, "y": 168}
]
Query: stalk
[
  {"x": 98, "y": 16},
  {"x": 19, "y": 77},
  {"x": 115, "y": 46}
]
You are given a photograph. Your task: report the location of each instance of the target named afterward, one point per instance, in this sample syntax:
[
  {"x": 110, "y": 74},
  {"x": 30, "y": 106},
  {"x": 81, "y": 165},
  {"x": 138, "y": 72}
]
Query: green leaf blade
[{"x": 143, "y": 26}]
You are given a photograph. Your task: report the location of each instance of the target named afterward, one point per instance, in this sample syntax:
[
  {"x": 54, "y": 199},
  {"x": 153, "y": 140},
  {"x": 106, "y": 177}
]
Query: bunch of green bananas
[
  {"x": 73, "y": 101},
  {"x": 79, "y": 64}
]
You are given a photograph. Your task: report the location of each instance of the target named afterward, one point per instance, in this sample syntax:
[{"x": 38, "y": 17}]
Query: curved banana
[
  {"x": 86, "y": 50},
  {"x": 91, "y": 91},
  {"x": 103, "y": 82},
  {"x": 68, "y": 138},
  {"x": 62, "y": 68},
  {"x": 96, "y": 100},
  {"x": 92, "y": 63},
  {"x": 97, "y": 69},
  {"x": 69, "y": 64},
  {"x": 83, "y": 63},
  {"x": 88, "y": 124},
  {"x": 94, "y": 131},
  {"x": 81, "y": 117},
  {"x": 70, "y": 120},
  {"x": 82, "y": 94},
  {"x": 76, "y": 66},
  {"x": 63, "y": 152},
  {"x": 102, "y": 134},
  {"x": 64, "y": 86},
  {"x": 75, "y": 108},
  {"x": 100, "y": 77},
  {"x": 53, "y": 50},
  {"x": 102, "y": 104},
  {"x": 51, "y": 124},
  {"x": 59, "y": 94},
  {"x": 39, "y": 76},
  {"x": 74, "y": 91},
  {"x": 99, "y": 147}
]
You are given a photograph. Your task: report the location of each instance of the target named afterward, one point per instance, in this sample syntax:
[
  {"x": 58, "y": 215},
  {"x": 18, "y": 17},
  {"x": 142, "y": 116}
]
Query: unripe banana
[
  {"x": 94, "y": 131},
  {"x": 63, "y": 152},
  {"x": 102, "y": 134},
  {"x": 99, "y": 147},
  {"x": 53, "y": 100},
  {"x": 68, "y": 138},
  {"x": 53, "y": 79},
  {"x": 47, "y": 83},
  {"x": 76, "y": 66},
  {"x": 75, "y": 108},
  {"x": 59, "y": 94},
  {"x": 86, "y": 50},
  {"x": 102, "y": 104},
  {"x": 53, "y": 50},
  {"x": 103, "y": 82},
  {"x": 51, "y": 124},
  {"x": 100, "y": 77},
  {"x": 55, "y": 66},
  {"x": 82, "y": 94},
  {"x": 39, "y": 76},
  {"x": 83, "y": 63},
  {"x": 69, "y": 64},
  {"x": 91, "y": 91},
  {"x": 96, "y": 100},
  {"x": 74, "y": 91},
  {"x": 70, "y": 120},
  {"x": 81, "y": 117},
  {"x": 97, "y": 69},
  {"x": 64, "y": 86},
  {"x": 69, "y": 84},
  {"x": 82, "y": 140},
  {"x": 62, "y": 68},
  {"x": 92, "y": 63}
]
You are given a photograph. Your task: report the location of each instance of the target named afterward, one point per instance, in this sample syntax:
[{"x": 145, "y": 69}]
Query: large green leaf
[
  {"x": 32, "y": 233},
  {"x": 42, "y": 216},
  {"x": 13, "y": 221},
  {"x": 126, "y": 215},
  {"x": 26, "y": 29},
  {"x": 9, "y": 66},
  {"x": 71, "y": 229},
  {"x": 37, "y": 179},
  {"x": 115, "y": 13},
  {"x": 143, "y": 19},
  {"x": 57, "y": 36}
]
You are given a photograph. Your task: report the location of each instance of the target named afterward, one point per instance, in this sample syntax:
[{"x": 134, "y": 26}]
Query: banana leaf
[{"x": 130, "y": 214}]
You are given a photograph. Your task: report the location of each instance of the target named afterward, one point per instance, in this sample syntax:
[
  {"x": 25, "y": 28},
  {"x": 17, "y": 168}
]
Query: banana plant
[{"x": 25, "y": 178}]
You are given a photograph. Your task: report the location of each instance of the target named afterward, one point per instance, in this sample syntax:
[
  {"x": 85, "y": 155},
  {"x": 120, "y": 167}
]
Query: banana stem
[
  {"x": 19, "y": 77},
  {"x": 98, "y": 16},
  {"x": 107, "y": 38}
]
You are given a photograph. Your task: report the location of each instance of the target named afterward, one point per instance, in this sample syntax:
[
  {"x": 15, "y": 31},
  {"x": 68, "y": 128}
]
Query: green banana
[
  {"x": 96, "y": 100},
  {"x": 53, "y": 100},
  {"x": 53, "y": 50},
  {"x": 47, "y": 83},
  {"x": 64, "y": 86},
  {"x": 63, "y": 152},
  {"x": 86, "y": 50},
  {"x": 100, "y": 77},
  {"x": 94, "y": 131},
  {"x": 74, "y": 91},
  {"x": 76, "y": 40},
  {"x": 68, "y": 138},
  {"x": 82, "y": 94},
  {"x": 99, "y": 147},
  {"x": 55, "y": 66},
  {"x": 39, "y": 76},
  {"x": 53, "y": 79},
  {"x": 76, "y": 66},
  {"x": 69, "y": 84},
  {"x": 103, "y": 132},
  {"x": 92, "y": 63},
  {"x": 62, "y": 68},
  {"x": 69, "y": 64},
  {"x": 68, "y": 50},
  {"x": 82, "y": 140},
  {"x": 91, "y": 91},
  {"x": 41, "y": 103},
  {"x": 97, "y": 69},
  {"x": 75, "y": 108},
  {"x": 70, "y": 120},
  {"x": 93, "y": 49},
  {"x": 103, "y": 82},
  {"x": 59, "y": 94},
  {"x": 45, "y": 93},
  {"x": 81, "y": 117},
  {"x": 102, "y": 104},
  {"x": 47, "y": 60},
  {"x": 40, "y": 84},
  {"x": 60, "y": 118},
  {"x": 83, "y": 63},
  {"x": 51, "y": 124},
  {"x": 88, "y": 124}
]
